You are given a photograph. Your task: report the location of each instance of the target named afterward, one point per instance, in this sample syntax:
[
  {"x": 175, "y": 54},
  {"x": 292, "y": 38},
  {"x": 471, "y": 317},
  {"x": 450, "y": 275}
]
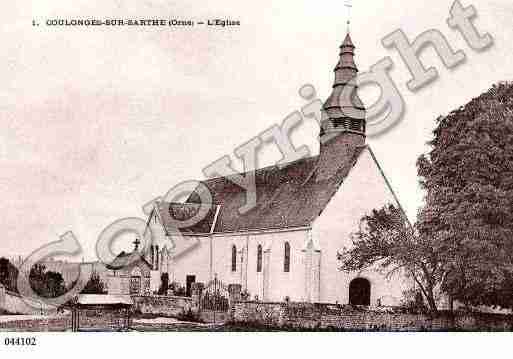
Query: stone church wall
[
  {"x": 271, "y": 283},
  {"x": 343, "y": 317},
  {"x": 212, "y": 257},
  {"x": 363, "y": 190},
  {"x": 222, "y": 258},
  {"x": 193, "y": 259},
  {"x": 314, "y": 274}
]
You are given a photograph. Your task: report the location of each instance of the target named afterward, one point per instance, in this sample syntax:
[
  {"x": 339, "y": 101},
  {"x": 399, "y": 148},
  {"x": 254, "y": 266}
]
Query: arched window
[
  {"x": 359, "y": 292},
  {"x": 259, "y": 258},
  {"x": 234, "y": 258},
  {"x": 286, "y": 258}
]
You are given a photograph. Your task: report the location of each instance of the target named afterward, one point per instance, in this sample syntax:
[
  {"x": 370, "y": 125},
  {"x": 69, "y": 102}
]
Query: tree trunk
[
  {"x": 428, "y": 293},
  {"x": 431, "y": 300}
]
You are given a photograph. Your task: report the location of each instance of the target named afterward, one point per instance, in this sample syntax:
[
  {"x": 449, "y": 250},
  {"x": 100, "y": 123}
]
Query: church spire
[
  {"x": 344, "y": 113},
  {"x": 343, "y": 124}
]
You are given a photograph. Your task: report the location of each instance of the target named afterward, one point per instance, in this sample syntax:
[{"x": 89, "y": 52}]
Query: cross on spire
[
  {"x": 136, "y": 244},
  {"x": 348, "y": 4}
]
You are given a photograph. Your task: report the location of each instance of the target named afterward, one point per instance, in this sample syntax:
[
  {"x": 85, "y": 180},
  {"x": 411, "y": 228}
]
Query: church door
[{"x": 359, "y": 292}]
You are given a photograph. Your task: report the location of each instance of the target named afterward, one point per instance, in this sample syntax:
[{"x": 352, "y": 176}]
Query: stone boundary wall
[
  {"x": 344, "y": 317},
  {"x": 170, "y": 306}
]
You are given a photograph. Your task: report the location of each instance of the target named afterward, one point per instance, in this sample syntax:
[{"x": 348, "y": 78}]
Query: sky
[{"x": 96, "y": 122}]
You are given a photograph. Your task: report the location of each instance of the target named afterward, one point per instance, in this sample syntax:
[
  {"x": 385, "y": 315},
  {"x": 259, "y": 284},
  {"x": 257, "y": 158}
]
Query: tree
[
  {"x": 468, "y": 178},
  {"x": 47, "y": 284},
  {"x": 462, "y": 243},
  {"x": 387, "y": 240},
  {"x": 8, "y": 274},
  {"x": 94, "y": 285},
  {"x": 37, "y": 279},
  {"x": 55, "y": 285}
]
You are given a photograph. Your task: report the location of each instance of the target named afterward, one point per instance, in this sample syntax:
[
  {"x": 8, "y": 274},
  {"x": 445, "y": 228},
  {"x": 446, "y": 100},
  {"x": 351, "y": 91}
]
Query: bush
[{"x": 412, "y": 303}]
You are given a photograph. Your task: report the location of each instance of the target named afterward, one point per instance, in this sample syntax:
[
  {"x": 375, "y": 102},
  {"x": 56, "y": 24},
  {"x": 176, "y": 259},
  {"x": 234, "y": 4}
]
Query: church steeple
[
  {"x": 344, "y": 109},
  {"x": 343, "y": 126}
]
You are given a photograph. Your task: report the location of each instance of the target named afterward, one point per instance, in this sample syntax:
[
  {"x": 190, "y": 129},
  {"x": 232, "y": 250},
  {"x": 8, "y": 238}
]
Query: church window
[
  {"x": 157, "y": 255},
  {"x": 234, "y": 258},
  {"x": 259, "y": 258},
  {"x": 286, "y": 258}
]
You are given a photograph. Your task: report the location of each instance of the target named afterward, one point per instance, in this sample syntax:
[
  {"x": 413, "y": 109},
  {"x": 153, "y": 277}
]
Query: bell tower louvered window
[
  {"x": 286, "y": 258},
  {"x": 259, "y": 258}
]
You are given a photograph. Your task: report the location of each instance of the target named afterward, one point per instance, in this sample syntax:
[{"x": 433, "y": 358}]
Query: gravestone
[
  {"x": 196, "y": 291},
  {"x": 235, "y": 292}
]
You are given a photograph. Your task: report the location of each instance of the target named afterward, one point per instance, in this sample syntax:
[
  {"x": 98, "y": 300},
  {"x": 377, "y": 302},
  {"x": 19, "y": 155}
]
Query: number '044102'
[{"x": 21, "y": 341}]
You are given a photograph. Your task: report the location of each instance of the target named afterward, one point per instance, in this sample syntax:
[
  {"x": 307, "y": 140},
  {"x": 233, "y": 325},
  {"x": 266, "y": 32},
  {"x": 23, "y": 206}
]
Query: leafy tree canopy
[
  {"x": 462, "y": 243},
  {"x": 468, "y": 179},
  {"x": 45, "y": 283},
  {"x": 8, "y": 274}
]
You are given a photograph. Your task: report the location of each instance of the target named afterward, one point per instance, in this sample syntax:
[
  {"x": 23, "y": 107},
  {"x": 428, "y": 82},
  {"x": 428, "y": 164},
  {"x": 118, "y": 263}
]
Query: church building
[{"x": 286, "y": 246}]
